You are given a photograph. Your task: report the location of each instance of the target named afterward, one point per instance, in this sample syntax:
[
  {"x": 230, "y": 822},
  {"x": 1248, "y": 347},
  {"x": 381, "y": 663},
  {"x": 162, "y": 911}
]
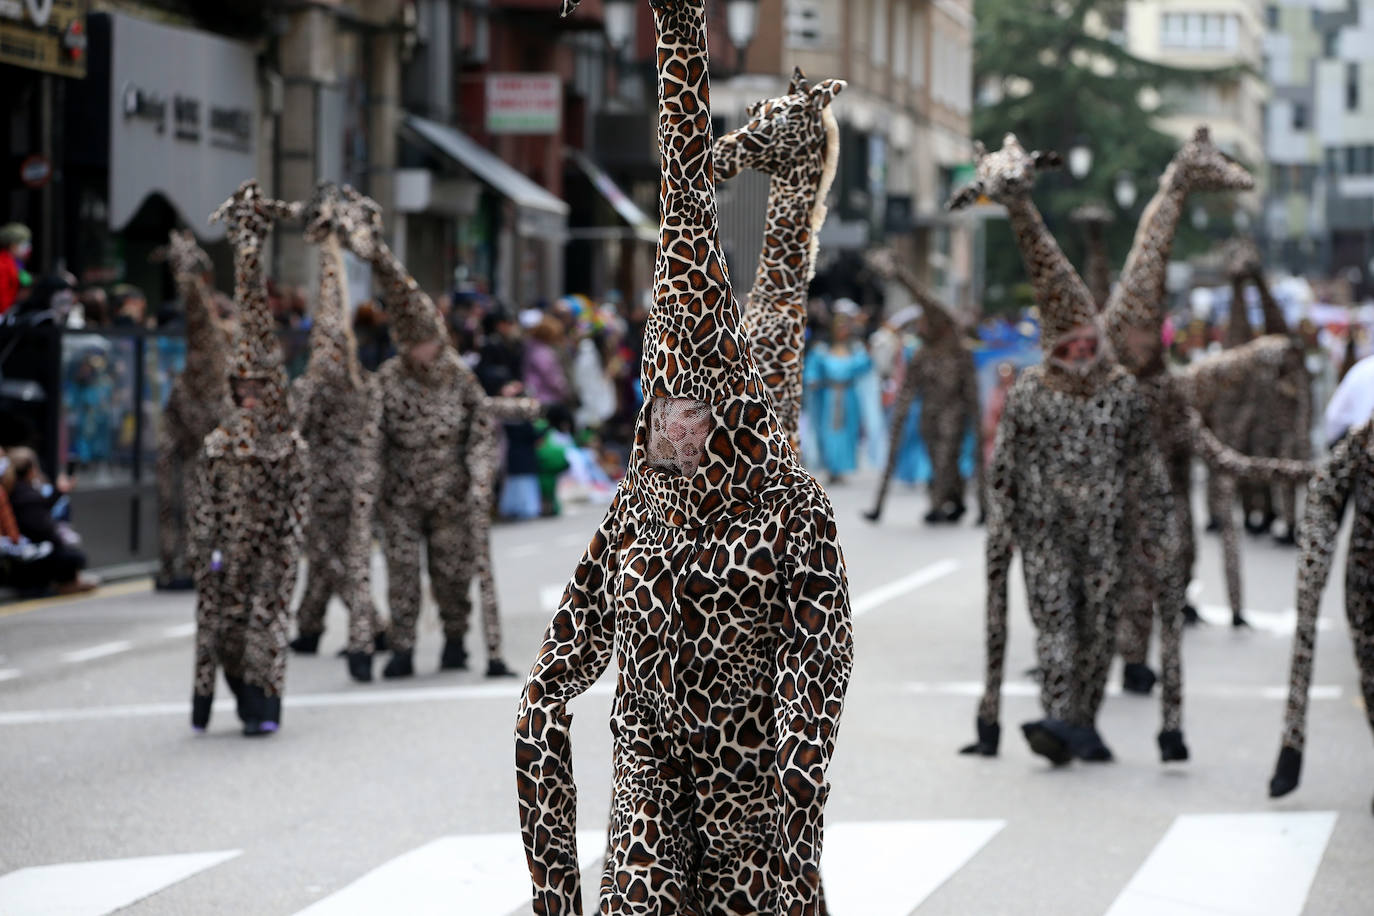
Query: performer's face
[
  {"x": 248, "y": 392},
  {"x": 426, "y": 352},
  {"x": 678, "y": 428},
  {"x": 1078, "y": 350}
]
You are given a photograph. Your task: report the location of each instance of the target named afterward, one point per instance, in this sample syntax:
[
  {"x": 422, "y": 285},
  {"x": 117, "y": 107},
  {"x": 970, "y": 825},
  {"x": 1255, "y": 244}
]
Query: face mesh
[{"x": 678, "y": 428}]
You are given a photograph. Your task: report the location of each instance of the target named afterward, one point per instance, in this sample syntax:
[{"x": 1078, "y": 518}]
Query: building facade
[{"x": 1319, "y": 213}]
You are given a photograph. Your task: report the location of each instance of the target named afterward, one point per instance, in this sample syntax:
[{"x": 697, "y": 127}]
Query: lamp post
[
  {"x": 620, "y": 24},
  {"x": 1080, "y": 159},
  {"x": 1124, "y": 191},
  {"x": 741, "y": 23}
]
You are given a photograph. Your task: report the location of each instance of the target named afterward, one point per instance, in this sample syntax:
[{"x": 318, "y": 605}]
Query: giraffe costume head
[
  {"x": 333, "y": 350},
  {"x": 257, "y": 372},
  {"x": 935, "y": 324}
]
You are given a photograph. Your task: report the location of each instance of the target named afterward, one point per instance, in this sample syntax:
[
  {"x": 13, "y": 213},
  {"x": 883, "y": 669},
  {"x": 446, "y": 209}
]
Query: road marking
[
  {"x": 521, "y": 550},
  {"x": 1230, "y": 865},
  {"x": 100, "y": 651},
  {"x": 890, "y": 868},
  {"x": 883, "y": 594},
  {"x": 508, "y": 690},
  {"x": 474, "y": 875},
  {"x": 1209, "y": 691},
  {"x": 1276, "y": 623},
  {"x": 9, "y": 674},
  {"x": 98, "y": 888},
  {"x": 118, "y": 590},
  {"x": 179, "y": 631}
]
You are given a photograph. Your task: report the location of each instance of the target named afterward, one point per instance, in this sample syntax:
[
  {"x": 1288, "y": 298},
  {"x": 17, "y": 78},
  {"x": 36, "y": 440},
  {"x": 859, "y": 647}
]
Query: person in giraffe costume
[
  {"x": 438, "y": 457},
  {"x": 338, "y": 407},
  {"x": 1346, "y": 477},
  {"x": 716, "y": 581},
  {"x": 193, "y": 405},
  {"x": 943, "y": 374},
  {"x": 250, "y": 497},
  {"x": 1073, "y": 461},
  {"x": 795, "y": 140}
]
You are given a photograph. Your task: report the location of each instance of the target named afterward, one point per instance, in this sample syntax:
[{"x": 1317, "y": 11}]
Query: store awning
[
  {"x": 541, "y": 213},
  {"x": 641, "y": 226}
]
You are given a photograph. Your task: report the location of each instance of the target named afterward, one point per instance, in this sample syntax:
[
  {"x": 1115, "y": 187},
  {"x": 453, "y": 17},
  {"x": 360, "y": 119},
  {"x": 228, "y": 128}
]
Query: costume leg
[
  {"x": 906, "y": 396},
  {"x": 486, "y": 584},
  {"x": 355, "y": 587},
  {"x": 944, "y": 439},
  {"x": 1097, "y": 634},
  {"x": 173, "y": 562},
  {"x": 402, "y": 547},
  {"x": 1054, "y": 599},
  {"x": 319, "y": 581},
  {"x": 451, "y": 573},
  {"x": 1230, "y": 548},
  {"x": 203, "y": 682},
  {"x": 1137, "y": 618},
  {"x": 739, "y": 883},
  {"x": 1359, "y": 610}
]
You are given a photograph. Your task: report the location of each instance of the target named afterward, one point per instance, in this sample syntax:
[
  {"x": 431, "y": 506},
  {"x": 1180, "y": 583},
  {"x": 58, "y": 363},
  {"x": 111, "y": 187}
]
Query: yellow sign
[{"x": 47, "y": 35}]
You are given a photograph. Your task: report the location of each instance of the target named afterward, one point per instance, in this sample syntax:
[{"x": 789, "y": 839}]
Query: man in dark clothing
[{"x": 32, "y": 500}]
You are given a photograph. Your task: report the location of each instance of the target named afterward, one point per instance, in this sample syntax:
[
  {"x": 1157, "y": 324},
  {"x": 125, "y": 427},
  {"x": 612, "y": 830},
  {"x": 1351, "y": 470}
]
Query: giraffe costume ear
[
  {"x": 965, "y": 196},
  {"x": 800, "y": 84},
  {"x": 1047, "y": 161},
  {"x": 824, "y": 92}
]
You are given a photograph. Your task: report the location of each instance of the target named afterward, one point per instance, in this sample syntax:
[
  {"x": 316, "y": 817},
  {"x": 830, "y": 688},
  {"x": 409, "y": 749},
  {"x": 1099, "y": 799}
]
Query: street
[{"x": 400, "y": 797}]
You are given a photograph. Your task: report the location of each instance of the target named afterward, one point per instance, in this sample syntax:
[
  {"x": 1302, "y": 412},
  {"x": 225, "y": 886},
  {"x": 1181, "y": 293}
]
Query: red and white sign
[{"x": 524, "y": 103}]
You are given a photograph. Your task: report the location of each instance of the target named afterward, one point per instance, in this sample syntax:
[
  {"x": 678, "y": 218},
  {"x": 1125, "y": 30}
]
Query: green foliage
[{"x": 1082, "y": 85}]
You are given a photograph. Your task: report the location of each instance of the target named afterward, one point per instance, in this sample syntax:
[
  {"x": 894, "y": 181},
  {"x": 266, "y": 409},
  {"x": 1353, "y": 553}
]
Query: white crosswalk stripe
[
  {"x": 486, "y": 873},
  {"x": 98, "y": 888},
  {"x": 1230, "y": 865},
  {"x": 890, "y": 868}
]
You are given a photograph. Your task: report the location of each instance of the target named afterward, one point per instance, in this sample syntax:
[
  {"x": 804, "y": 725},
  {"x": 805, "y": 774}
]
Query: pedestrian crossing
[{"x": 1249, "y": 864}]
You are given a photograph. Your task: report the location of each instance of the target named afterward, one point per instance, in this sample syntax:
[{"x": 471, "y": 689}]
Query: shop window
[
  {"x": 99, "y": 406},
  {"x": 1352, "y": 86},
  {"x": 1299, "y": 116}
]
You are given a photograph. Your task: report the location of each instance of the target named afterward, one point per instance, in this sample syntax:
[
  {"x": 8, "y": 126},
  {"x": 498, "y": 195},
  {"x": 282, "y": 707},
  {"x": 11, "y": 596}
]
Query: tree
[{"x": 1051, "y": 72}]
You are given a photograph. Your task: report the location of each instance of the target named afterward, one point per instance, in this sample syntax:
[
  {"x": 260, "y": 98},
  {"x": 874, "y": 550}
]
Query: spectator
[
  {"x": 842, "y": 400},
  {"x": 32, "y": 501},
  {"x": 16, "y": 244},
  {"x": 130, "y": 307},
  {"x": 95, "y": 307},
  {"x": 544, "y": 375}
]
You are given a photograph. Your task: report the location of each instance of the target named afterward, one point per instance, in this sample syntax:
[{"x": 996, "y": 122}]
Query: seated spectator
[
  {"x": 32, "y": 502},
  {"x": 130, "y": 307},
  {"x": 95, "y": 307}
]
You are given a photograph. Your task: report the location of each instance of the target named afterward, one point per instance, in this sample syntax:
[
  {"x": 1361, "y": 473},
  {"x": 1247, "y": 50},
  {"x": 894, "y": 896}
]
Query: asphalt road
[{"x": 399, "y": 797}]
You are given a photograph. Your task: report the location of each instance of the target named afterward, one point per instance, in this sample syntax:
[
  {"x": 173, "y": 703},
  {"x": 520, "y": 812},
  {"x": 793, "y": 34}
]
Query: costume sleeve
[
  {"x": 205, "y": 518},
  {"x": 1326, "y": 497},
  {"x": 576, "y": 650},
  {"x": 1227, "y": 461},
  {"x": 1001, "y": 507},
  {"x": 815, "y": 657},
  {"x": 514, "y": 410}
]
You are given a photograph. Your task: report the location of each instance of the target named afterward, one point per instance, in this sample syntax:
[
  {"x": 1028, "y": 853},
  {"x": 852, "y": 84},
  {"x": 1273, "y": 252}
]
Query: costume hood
[
  {"x": 333, "y": 350},
  {"x": 267, "y": 430}
]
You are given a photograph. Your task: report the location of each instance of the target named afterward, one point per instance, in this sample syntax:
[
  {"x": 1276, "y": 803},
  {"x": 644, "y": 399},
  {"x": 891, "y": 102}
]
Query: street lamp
[
  {"x": 1124, "y": 191},
  {"x": 741, "y": 22},
  {"x": 1080, "y": 159},
  {"x": 620, "y": 22},
  {"x": 1200, "y": 218}
]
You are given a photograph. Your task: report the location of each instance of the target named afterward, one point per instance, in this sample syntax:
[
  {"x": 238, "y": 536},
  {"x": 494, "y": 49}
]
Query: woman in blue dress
[{"x": 841, "y": 400}]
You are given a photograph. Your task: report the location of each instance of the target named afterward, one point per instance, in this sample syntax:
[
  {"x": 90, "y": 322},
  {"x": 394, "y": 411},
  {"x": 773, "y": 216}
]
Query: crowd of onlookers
[{"x": 39, "y": 550}]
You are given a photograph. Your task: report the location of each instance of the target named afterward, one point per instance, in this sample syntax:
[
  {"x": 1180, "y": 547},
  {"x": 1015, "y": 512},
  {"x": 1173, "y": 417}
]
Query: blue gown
[{"x": 836, "y": 402}]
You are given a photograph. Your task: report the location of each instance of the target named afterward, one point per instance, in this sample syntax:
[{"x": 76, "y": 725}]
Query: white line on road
[
  {"x": 98, "y": 888},
  {"x": 100, "y": 651},
  {"x": 509, "y": 691},
  {"x": 890, "y": 868},
  {"x": 9, "y": 674},
  {"x": 474, "y": 875},
  {"x": 883, "y": 594},
  {"x": 521, "y": 550},
  {"x": 1276, "y": 623},
  {"x": 179, "y": 631},
  {"x": 1230, "y": 865},
  {"x": 1209, "y": 691}
]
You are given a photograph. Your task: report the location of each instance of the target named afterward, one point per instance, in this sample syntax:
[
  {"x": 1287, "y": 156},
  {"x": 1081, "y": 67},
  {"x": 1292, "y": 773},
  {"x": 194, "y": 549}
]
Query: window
[
  {"x": 1271, "y": 16},
  {"x": 1200, "y": 31},
  {"x": 901, "y": 34},
  {"x": 918, "y": 47},
  {"x": 1333, "y": 161},
  {"x": 1299, "y": 116},
  {"x": 1352, "y": 86},
  {"x": 1330, "y": 42},
  {"x": 880, "y": 33},
  {"x": 1352, "y": 160},
  {"x": 1279, "y": 178}
]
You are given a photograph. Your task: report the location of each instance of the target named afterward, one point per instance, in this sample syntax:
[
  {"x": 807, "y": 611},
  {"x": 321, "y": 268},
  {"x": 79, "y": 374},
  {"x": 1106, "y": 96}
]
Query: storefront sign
[
  {"x": 35, "y": 171},
  {"x": 182, "y": 125},
  {"x": 524, "y": 103},
  {"x": 47, "y": 35}
]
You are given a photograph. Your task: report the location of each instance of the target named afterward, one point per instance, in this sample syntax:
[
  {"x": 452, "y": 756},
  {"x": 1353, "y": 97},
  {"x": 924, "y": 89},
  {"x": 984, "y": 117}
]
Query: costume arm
[
  {"x": 203, "y": 499},
  {"x": 1225, "y": 460},
  {"x": 576, "y": 650},
  {"x": 1326, "y": 496},
  {"x": 816, "y": 655},
  {"x": 514, "y": 410}
]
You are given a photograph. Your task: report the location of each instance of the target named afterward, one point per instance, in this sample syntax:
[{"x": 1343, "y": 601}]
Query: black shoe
[
  {"x": 1171, "y": 746},
  {"x": 200, "y": 711},
  {"x": 1239, "y": 622},
  {"x": 982, "y": 519},
  {"x": 1191, "y": 618},
  {"x": 1087, "y": 745},
  {"x": 381, "y": 642},
  {"x": 937, "y": 517},
  {"x": 1138, "y": 678},
  {"x": 955, "y": 512},
  {"x": 254, "y": 728},
  {"x": 873, "y": 514},
  {"x": 1286, "y": 773},
  {"x": 1044, "y": 740},
  {"x": 261, "y": 713},
  {"x": 1213, "y": 526},
  {"x": 360, "y": 667},
  {"x": 402, "y": 664},
  {"x": 175, "y": 584},
  {"x": 306, "y": 644},
  {"x": 989, "y": 737},
  {"x": 239, "y": 689},
  {"x": 1286, "y": 539},
  {"x": 455, "y": 657},
  {"x": 498, "y": 668}
]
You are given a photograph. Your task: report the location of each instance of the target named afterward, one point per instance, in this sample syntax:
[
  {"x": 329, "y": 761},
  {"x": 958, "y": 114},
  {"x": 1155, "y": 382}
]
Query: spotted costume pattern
[
  {"x": 795, "y": 140},
  {"x": 338, "y": 408},
  {"x": 1345, "y": 477},
  {"x": 722, "y": 596},
  {"x": 193, "y": 405},
  {"x": 1073, "y": 464},
  {"x": 943, "y": 374},
  {"x": 250, "y": 498},
  {"x": 1097, "y": 265}
]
